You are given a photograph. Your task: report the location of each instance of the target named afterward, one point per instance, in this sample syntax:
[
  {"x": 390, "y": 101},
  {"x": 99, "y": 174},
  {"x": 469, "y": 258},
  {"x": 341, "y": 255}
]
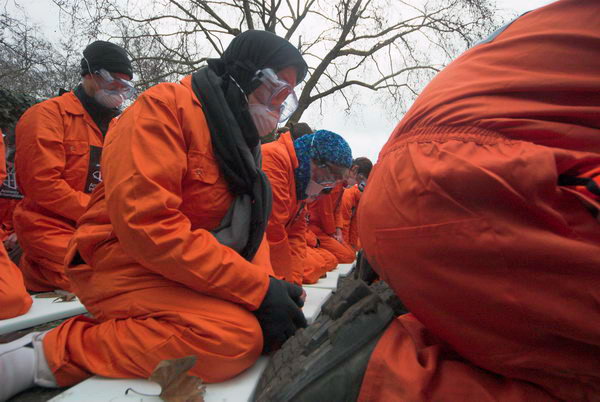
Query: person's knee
[
  {"x": 345, "y": 255},
  {"x": 14, "y": 304},
  {"x": 237, "y": 348}
]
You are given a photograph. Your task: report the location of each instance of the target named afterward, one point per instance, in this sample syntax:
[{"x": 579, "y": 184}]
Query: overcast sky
[{"x": 369, "y": 126}]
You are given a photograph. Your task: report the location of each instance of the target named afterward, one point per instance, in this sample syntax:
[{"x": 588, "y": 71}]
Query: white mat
[
  {"x": 315, "y": 297},
  {"x": 42, "y": 310},
  {"x": 100, "y": 389},
  {"x": 344, "y": 269}
]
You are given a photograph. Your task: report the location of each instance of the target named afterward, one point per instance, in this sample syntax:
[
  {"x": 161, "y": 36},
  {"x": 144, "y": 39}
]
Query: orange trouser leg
[
  {"x": 42, "y": 275},
  {"x": 410, "y": 364},
  {"x": 44, "y": 247},
  {"x": 492, "y": 257},
  {"x": 150, "y": 326},
  {"x": 14, "y": 299},
  {"x": 314, "y": 266},
  {"x": 343, "y": 253},
  {"x": 330, "y": 261},
  {"x": 351, "y": 240}
]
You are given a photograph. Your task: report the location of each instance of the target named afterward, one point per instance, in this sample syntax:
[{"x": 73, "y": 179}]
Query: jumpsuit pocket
[
  {"x": 76, "y": 162},
  {"x": 206, "y": 197},
  {"x": 75, "y": 147},
  {"x": 203, "y": 167}
]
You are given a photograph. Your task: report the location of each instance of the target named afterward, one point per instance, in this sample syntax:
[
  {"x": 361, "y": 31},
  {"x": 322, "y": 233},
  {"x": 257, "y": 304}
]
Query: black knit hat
[{"x": 100, "y": 54}]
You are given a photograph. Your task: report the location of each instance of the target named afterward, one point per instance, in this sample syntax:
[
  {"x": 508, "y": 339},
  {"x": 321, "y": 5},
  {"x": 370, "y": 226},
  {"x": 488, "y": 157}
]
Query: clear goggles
[
  {"x": 278, "y": 95},
  {"x": 110, "y": 83}
]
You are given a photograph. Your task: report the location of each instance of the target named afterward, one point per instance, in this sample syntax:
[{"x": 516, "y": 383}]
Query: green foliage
[{"x": 12, "y": 106}]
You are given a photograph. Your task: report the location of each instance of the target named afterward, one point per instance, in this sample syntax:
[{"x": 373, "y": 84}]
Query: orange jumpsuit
[
  {"x": 347, "y": 216},
  {"x": 14, "y": 299},
  {"x": 57, "y": 142},
  {"x": 7, "y": 209},
  {"x": 464, "y": 218},
  {"x": 324, "y": 221},
  {"x": 318, "y": 260},
  {"x": 158, "y": 284},
  {"x": 287, "y": 224}
]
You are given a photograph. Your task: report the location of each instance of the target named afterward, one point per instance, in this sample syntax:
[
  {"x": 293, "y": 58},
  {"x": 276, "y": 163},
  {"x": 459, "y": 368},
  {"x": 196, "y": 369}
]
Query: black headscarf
[
  {"x": 254, "y": 50},
  {"x": 222, "y": 88},
  {"x": 247, "y": 53}
]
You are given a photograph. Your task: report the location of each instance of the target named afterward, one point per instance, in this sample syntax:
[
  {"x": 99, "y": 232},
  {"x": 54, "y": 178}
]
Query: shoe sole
[{"x": 352, "y": 318}]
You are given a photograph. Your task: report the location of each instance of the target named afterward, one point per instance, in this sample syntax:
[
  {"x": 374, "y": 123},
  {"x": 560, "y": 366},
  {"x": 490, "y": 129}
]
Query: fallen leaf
[
  {"x": 176, "y": 385},
  {"x": 59, "y": 296}
]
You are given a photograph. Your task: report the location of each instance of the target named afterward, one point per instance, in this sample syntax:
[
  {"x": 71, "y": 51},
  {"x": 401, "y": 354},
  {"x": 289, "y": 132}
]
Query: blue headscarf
[{"x": 327, "y": 145}]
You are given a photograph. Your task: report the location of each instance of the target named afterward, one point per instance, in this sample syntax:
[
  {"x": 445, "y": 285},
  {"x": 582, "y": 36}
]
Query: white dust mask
[
  {"x": 109, "y": 98},
  {"x": 264, "y": 119}
]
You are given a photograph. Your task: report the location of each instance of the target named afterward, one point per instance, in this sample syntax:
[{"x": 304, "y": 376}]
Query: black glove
[{"x": 279, "y": 314}]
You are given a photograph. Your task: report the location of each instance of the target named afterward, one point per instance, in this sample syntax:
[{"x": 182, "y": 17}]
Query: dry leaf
[
  {"x": 176, "y": 385},
  {"x": 59, "y": 296}
]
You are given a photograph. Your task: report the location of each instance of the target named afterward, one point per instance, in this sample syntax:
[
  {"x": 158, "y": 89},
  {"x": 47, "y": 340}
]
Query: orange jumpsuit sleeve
[
  {"x": 143, "y": 194},
  {"x": 339, "y": 218},
  {"x": 40, "y": 162},
  {"x": 297, "y": 239},
  {"x": 327, "y": 215},
  {"x": 283, "y": 256}
]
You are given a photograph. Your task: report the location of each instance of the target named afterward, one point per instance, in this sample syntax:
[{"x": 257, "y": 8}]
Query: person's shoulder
[
  {"x": 275, "y": 149},
  {"x": 48, "y": 108},
  {"x": 174, "y": 94},
  {"x": 164, "y": 90},
  {"x": 275, "y": 154}
]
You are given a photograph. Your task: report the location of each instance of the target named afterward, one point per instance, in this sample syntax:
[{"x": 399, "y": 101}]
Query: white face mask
[
  {"x": 108, "y": 98},
  {"x": 362, "y": 185},
  {"x": 264, "y": 119}
]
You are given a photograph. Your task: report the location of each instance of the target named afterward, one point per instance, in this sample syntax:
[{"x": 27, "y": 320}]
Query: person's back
[
  {"x": 347, "y": 212},
  {"x": 476, "y": 232},
  {"x": 325, "y": 223}
]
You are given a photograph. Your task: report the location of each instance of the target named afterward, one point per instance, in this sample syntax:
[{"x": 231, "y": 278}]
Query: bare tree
[
  {"x": 391, "y": 46},
  {"x": 30, "y": 64}
]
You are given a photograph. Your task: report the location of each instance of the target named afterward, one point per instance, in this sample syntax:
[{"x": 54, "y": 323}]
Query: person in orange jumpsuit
[
  {"x": 14, "y": 298},
  {"x": 298, "y": 173},
  {"x": 319, "y": 260},
  {"x": 346, "y": 214},
  {"x": 57, "y": 162},
  {"x": 170, "y": 257},
  {"x": 474, "y": 217},
  {"x": 10, "y": 196},
  {"x": 469, "y": 220},
  {"x": 325, "y": 223}
]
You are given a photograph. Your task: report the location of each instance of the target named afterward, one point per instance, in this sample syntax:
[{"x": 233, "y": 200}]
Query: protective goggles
[
  {"x": 110, "y": 83},
  {"x": 276, "y": 94}
]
